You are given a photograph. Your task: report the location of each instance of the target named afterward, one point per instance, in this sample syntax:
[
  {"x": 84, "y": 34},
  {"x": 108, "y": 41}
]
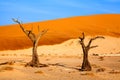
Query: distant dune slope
[{"x": 12, "y": 37}]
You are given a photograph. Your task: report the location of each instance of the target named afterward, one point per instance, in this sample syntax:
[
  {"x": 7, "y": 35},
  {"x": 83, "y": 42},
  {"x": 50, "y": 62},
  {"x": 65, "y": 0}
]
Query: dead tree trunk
[
  {"x": 35, "y": 39},
  {"x": 35, "y": 59},
  {"x": 86, "y": 64}
]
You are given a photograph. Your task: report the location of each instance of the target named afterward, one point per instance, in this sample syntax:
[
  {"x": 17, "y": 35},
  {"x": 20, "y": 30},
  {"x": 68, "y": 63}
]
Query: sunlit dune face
[{"x": 60, "y": 30}]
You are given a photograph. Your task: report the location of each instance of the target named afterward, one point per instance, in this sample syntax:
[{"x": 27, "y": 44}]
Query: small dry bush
[
  {"x": 100, "y": 70},
  {"x": 11, "y": 63},
  {"x": 114, "y": 72},
  {"x": 3, "y": 54},
  {"x": 95, "y": 54},
  {"x": 101, "y": 58}
]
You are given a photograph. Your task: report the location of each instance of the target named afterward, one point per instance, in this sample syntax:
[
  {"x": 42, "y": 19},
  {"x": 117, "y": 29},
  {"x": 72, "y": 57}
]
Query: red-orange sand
[{"x": 12, "y": 37}]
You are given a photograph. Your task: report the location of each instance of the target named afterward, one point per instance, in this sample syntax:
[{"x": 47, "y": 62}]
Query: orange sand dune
[{"x": 12, "y": 37}]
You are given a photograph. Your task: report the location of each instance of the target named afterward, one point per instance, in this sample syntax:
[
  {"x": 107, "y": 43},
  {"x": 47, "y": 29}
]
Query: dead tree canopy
[
  {"x": 86, "y": 64},
  {"x": 35, "y": 39}
]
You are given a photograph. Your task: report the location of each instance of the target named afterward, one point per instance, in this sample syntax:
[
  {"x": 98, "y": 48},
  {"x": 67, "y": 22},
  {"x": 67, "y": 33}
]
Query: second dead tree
[{"x": 86, "y": 64}]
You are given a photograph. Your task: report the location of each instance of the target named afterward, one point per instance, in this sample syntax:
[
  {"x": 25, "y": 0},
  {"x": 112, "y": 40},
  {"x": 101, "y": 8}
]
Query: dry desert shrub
[
  {"x": 101, "y": 58},
  {"x": 95, "y": 54},
  {"x": 3, "y": 54},
  {"x": 8, "y": 54},
  {"x": 114, "y": 72},
  {"x": 100, "y": 70},
  {"x": 11, "y": 63},
  {"x": 15, "y": 54}
]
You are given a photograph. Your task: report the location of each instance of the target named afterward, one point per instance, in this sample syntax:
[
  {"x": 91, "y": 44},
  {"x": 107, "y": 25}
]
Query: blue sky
[{"x": 40, "y": 10}]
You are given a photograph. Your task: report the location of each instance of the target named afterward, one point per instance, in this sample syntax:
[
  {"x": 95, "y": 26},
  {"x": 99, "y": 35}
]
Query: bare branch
[
  {"x": 16, "y": 20},
  {"x": 83, "y": 35},
  {"x": 98, "y": 37},
  {"x": 82, "y": 41},
  {"x": 82, "y": 38},
  {"x": 94, "y": 39},
  {"x": 29, "y": 33},
  {"x": 93, "y": 46},
  {"x": 42, "y": 33}
]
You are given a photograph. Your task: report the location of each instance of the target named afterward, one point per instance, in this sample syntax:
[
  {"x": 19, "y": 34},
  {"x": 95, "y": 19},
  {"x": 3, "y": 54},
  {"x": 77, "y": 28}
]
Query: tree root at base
[{"x": 31, "y": 64}]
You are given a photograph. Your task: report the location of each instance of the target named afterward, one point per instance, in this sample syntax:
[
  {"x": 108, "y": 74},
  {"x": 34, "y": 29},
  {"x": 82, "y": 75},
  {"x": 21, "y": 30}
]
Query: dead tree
[
  {"x": 35, "y": 39},
  {"x": 86, "y": 64}
]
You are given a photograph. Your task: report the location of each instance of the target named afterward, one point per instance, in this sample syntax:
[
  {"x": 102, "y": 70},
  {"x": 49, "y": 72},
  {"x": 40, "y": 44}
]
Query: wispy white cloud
[{"x": 16, "y": 7}]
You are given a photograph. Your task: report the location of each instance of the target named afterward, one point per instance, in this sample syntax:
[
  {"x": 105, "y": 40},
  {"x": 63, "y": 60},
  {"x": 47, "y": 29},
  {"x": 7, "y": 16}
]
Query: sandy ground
[
  {"x": 61, "y": 68},
  {"x": 64, "y": 62}
]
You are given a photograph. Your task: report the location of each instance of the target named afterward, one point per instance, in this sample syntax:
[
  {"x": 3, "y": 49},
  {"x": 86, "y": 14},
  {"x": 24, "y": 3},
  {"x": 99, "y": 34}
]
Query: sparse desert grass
[
  {"x": 25, "y": 55},
  {"x": 95, "y": 54},
  {"x": 15, "y": 54},
  {"x": 114, "y": 72},
  {"x": 5, "y": 54},
  {"x": 100, "y": 70}
]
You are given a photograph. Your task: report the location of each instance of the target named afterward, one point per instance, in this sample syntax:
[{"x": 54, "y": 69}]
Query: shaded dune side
[{"x": 12, "y": 37}]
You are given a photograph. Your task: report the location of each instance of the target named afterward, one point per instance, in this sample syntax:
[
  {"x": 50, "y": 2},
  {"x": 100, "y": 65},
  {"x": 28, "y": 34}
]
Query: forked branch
[
  {"x": 89, "y": 43},
  {"x": 20, "y": 24},
  {"x": 29, "y": 33}
]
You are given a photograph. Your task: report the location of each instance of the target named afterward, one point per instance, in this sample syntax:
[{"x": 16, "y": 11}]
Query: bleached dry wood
[{"x": 35, "y": 39}]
